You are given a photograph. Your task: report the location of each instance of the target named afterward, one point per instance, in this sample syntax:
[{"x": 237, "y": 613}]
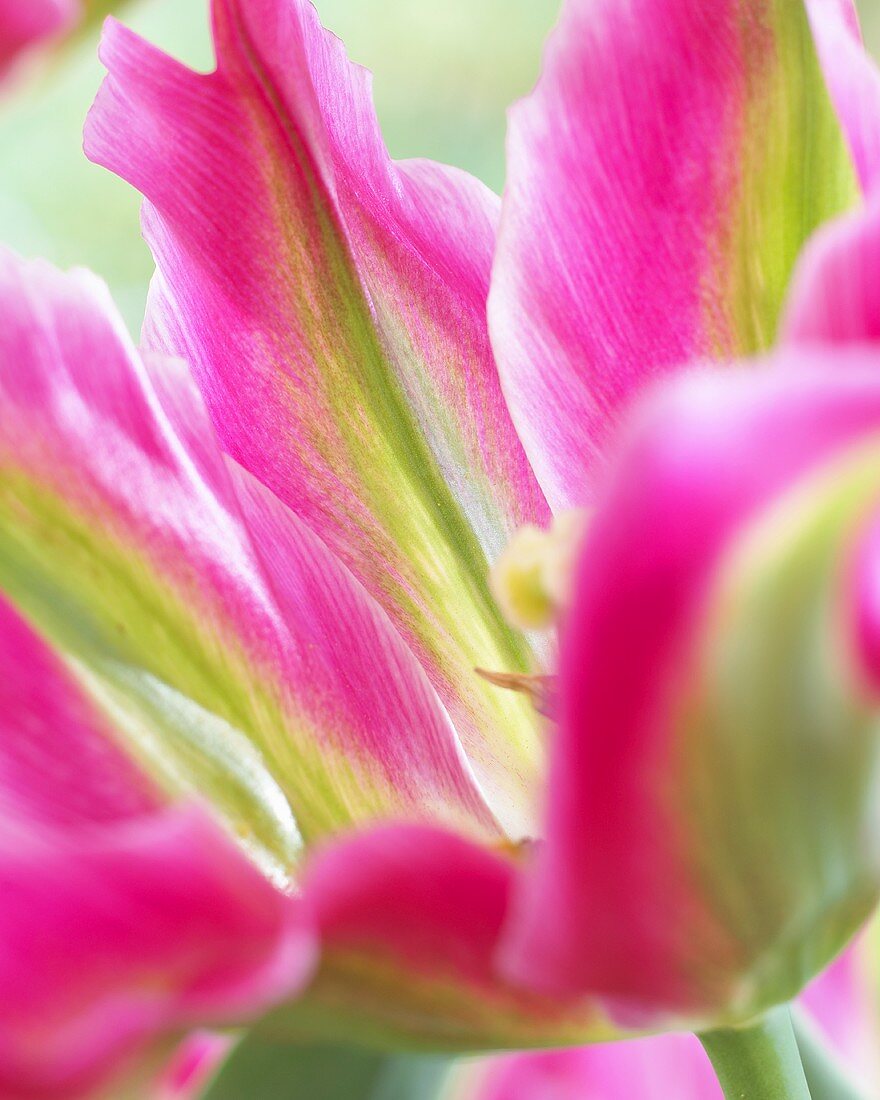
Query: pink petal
[
  {"x": 236, "y": 653},
  {"x": 853, "y": 80},
  {"x": 642, "y": 1069},
  {"x": 835, "y": 295},
  {"x": 25, "y": 23},
  {"x": 842, "y": 1002},
  {"x": 388, "y": 747},
  {"x": 866, "y": 602},
  {"x": 112, "y": 935},
  {"x": 660, "y": 185},
  {"x": 120, "y": 917},
  {"x": 332, "y": 304},
  {"x": 409, "y": 920},
  {"x": 622, "y": 900},
  {"x": 59, "y": 765}
]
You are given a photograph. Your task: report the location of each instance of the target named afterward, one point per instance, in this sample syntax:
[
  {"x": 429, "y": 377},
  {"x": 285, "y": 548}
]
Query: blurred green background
[{"x": 444, "y": 76}]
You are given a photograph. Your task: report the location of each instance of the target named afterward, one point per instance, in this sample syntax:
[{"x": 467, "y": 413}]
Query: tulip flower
[
  {"x": 274, "y": 589},
  {"x": 24, "y": 25}
]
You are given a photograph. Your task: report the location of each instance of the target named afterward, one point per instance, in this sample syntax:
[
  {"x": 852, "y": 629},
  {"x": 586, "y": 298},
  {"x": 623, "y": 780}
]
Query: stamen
[
  {"x": 540, "y": 689},
  {"x": 533, "y": 577}
]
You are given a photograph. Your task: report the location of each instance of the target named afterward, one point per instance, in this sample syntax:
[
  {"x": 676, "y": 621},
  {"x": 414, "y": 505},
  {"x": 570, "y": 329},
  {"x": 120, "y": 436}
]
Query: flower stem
[{"x": 760, "y": 1061}]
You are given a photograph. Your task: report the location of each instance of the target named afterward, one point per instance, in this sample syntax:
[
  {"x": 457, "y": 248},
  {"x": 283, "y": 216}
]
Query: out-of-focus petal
[
  {"x": 26, "y": 23},
  {"x": 332, "y": 304},
  {"x": 661, "y": 184},
  {"x": 842, "y": 1002},
  {"x": 709, "y": 843},
  {"x": 60, "y": 764},
  {"x": 235, "y": 652},
  {"x": 193, "y": 1063},
  {"x": 121, "y": 917},
  {"x": 674, "y": 1065},
  {"x": 853, "y": 81},
  {"x": 409, "y": 920},
  {"x": 835, "y": 294},
  {"x": 115, "y": 934},
  {"x": 646, "y": 1069}
]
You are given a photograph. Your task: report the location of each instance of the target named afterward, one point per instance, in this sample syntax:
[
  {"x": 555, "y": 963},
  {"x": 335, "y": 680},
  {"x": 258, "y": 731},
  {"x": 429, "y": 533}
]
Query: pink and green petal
[
  {"x": 853, "y": 81},
  {"x": 661, "y": 183},
  {"x": 28, "y": 23},
  {"x": 709, "y": 846},
  {"x": 237, "y": 655},
  {"x": 409, "y": 920},
  {"x": 60, "y": 763},
  {"x": 122, "y": 918},
  {"x": 835, "y": 294},
  {"x": 332, "y": 304}
]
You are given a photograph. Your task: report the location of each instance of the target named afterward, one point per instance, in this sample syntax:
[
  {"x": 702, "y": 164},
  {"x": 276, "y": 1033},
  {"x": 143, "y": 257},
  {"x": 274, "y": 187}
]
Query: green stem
[{"x": 758, "y": 1062}]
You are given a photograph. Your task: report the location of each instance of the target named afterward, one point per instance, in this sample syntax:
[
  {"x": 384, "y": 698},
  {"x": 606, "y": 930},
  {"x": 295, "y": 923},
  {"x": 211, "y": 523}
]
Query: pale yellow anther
[{"x": 533, "y": 577}]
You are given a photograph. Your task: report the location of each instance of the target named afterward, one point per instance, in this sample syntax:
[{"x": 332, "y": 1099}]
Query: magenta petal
[
  {"x": 240, "y": 658},
  {"x": 410, "y": 920},
  {"x": 643, "y": 1069},
  {"x": 120, "y": 917},
  {"x": 853, "y": 80},
  {"x": 835, "y": 295},
  {"x": 59, "y": 765},
  {"x": 389, "y": 747},
  {"x": 332, "y": 304},
  {"x": 660, "y": 185},
  {"x": 619, "y": 903},
  {"x": 865, "y": 602},
  {"x": 412, "y": 892},
  {"x": 25, "y": 23},
  {"x": 113, "y": 935}
]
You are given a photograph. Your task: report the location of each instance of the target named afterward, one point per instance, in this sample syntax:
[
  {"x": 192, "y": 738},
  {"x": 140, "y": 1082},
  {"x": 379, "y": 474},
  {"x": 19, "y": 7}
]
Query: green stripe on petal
[
  {"x": 663, "y": 176},
  {"x": 236, "y": 654},
  {"x": 332, "y": 304},
  {"x": 794, "y": 172},
  {"x": 176, "y": 697},
  {"x": 792, "y": 878}
]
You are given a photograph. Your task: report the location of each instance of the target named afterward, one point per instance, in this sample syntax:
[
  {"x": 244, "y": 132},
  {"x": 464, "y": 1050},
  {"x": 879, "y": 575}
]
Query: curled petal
[
  {"x": 835, "y": 295},
  {"x": 332, "y": 304},
  {"x": 661, "y": 184},
  {"x": 113, "y": 935},
  {"x": 710, "y": 845},
  {"x": 409, "y": 920}
]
